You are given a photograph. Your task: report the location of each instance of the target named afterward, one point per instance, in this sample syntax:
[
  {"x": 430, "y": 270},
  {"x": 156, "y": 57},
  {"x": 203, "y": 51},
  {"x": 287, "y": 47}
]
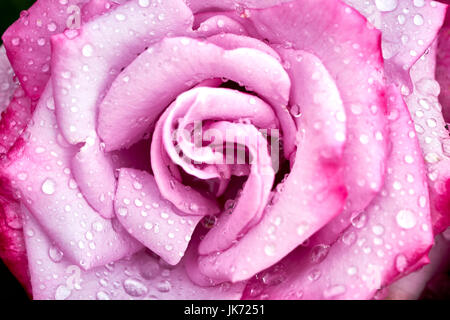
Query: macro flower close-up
[{"x": 226, "y": 149}]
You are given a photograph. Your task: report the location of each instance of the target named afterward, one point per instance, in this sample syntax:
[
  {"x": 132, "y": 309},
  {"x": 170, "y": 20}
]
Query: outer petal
[
  {"x": 443, "y": 67},
  {"x": 84, "y": 65},
  {"x": 39, "y": 168},
  {"x": 350, "y": 51},
  {"x": 408, "y": 29},
  {"x": 433, "y": 137},
  {"x": 27, "y": 41},
  {"x": 141, "y": 276},
  {"x": 14, "y": 120},
  {"x": 392, "y": 234},
  {"x": 7, "y": 83},
  {"x": 12, "y": 244}
]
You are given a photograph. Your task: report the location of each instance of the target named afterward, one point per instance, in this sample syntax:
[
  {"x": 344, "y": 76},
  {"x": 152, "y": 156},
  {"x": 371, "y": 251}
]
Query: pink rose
[{"x": 224, "y": 149}]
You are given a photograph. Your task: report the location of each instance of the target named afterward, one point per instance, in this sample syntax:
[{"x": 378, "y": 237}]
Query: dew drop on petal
[
  {"x": 406, "y": 219},
  {"x": 48, "y": 187},
  {"x": 134, "y": 287}
]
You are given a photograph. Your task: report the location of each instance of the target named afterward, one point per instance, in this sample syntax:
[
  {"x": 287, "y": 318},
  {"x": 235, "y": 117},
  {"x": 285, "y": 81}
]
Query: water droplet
[
  {"x": 62, "y": 292},
  {"x": 144, "y": 3},
  {"x": 102, "y": 295},
  {"x": 378, "y": 229},
  {"x": 418, "y": 20},
  {"x": 87, "y": 50},
  {"x": 48, "y": 186},
  {"x": 164, "y": 286},
  {"x": 359, "y": 221},
  {"x": 314, "y": 275},
  {"x": 51, "y": 26},
  {"x": 406, "y": 219},
  {"x": 349, "y": 238},
  {"x": 55, "y": 254},
  {"x": 386, "y": 5},
  {"x": 334, "y": 291},
  {"x": 209, "y": 221},
  {"x": 122, "y": 211},
  {"x": 296, "y": 111},
  {"x": 134, "y": 287},
  {"x": 401, "y": 263},
  {"x": 319, "y": 253},
  {"x": 269, "y": 250}
]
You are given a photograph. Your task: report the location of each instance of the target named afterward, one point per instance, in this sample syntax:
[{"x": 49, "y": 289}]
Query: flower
[{"x": 175, "y": 149}]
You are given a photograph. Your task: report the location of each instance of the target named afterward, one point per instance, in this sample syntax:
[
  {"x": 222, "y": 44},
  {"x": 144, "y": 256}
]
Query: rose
[{"x": 358, "y": 204}]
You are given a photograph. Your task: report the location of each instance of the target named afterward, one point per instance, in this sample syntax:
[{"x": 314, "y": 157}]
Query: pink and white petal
[
  {"x": 141, "y": 276},
  {"x": 27, "y": 41},
  {"x": 14, "y": 120},
  {"x": 39, "y": 168},
  {"x": 94, "y": 8},
  {"x": 433, "y": 137},
  {"x": 392, "y": 234},
  {"x": 12, "y": 244},
  {"x": 168, "y": 178},
  {"x": 350, "y": 51},
  {"x": 85, "y": 64},
  {"x": 175, "y": 71},
  {"x": 414, "y": 23},
  {"x": 7, "y": 84},
  {"x": 411, "y": 286},
  {"x": 150, "y": 218},
  {"x": 443, "y": 67},
  {"x": 93, "y": 171},
  {"x": 313, "y": 193}
]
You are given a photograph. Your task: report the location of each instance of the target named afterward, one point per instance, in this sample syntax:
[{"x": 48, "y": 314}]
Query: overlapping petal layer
[{"x": 393, "y": 233}]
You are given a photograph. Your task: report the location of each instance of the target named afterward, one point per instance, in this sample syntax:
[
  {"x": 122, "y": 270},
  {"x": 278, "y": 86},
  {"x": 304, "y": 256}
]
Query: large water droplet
[
  {"x": 134, "y": 287},
  {"x": 406, "y": 219},
  {"x": 62, "y": 292},
  {"x": 55, "y": 254},
  {"x": 386, "y": 5},
  {"x": 48, "y": 186},
  {"x": 334, "y": 291},
  {"x": 164, "y": 286},
  {"x": 319, "y": 253}
]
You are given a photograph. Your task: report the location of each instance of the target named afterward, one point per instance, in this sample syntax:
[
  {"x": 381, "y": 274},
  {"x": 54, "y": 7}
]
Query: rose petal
[
  {"x": 39, "y": 168},
  {"x": 94, "y": 173},
  {"x": 443, "y": 67},
  {"x": 391, "y": 234},
  {"x": 312, "y": 194},
  {"x": 192, "y": 62},
  {"x": 7, "y": 84},
  {"x": 85, "y": 65},
  {"x": 14, "y": 120},
  {"x": 12, "y": 244},
  {"x": 201, "y": 5},
  {"x": 27, "y": 41},
  {"x": 350, "y": 51},
  {"x": 141, "y": 276},
  {"x": 150, "y": 218},
  {"x": 433, "y": 137}
]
